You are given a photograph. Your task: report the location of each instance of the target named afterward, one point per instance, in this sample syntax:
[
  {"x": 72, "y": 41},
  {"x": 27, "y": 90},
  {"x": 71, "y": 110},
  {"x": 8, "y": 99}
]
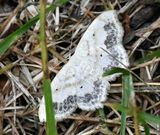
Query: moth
[{"x": 79, "y": 84}]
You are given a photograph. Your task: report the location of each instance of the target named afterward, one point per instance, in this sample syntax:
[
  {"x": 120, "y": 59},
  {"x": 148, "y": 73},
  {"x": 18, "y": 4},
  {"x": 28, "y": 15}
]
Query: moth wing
[
  {"x": 63, "y": 94},
  {"x": 92, "y": 93},
  {"x": 105, "y": 33},
  {"x": 104, "y": 38},
  {"x": 81, "y": 78}
]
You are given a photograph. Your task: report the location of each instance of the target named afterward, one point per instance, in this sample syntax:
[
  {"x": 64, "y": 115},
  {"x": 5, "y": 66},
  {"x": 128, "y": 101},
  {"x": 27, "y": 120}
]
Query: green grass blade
[
  {"x": 51, "y": 124},
  {"x": 146, "y": 128},
  {"x": 128, "y": 100},
  {"x": 149, "y": 118},
  {"x": 125, "y": 94},
  {"x": 128, "y": 97},
  {"x": 9, "y": 40},
  {"x": 50, "y": 117},
  {"x": 116, "y": 70},
  {"x": 149, "y": 57},
  {"x": 125, "y": 100},
  {"x": 118, "y": 107},
  {"x": 145, "y": 118}
]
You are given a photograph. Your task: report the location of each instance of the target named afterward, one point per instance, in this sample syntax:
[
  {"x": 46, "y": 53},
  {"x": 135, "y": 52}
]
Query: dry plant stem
[
  {"x": 77, "y": 123},
  {"x": 128, "y": 5},
  {"x": 9, "y": 66},
  {"x": 51, "y": 125},
  {"x": 145, "y": 35},
  {"x": 102, "y": 117},
  {"x": 32, "y": 58},
  {"x": 138, "y": 88},
  {"x": 14, "y": 130},
  {"x": 1, "y": 114},
  {"x": 138, "y": 84},
  {"x": 20, "y": 86},
  {"x": 135, "y": 115},
  {"x": 44, "y": 53},
  {"x": 146, "y": 63}
]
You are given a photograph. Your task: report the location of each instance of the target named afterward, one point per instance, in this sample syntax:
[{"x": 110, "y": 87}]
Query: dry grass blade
[{"x": 20, "y": 86}]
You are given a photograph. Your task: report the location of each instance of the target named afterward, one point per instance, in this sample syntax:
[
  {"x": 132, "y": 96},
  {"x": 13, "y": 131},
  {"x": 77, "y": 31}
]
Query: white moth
[{"x": 79, "y": 84}]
